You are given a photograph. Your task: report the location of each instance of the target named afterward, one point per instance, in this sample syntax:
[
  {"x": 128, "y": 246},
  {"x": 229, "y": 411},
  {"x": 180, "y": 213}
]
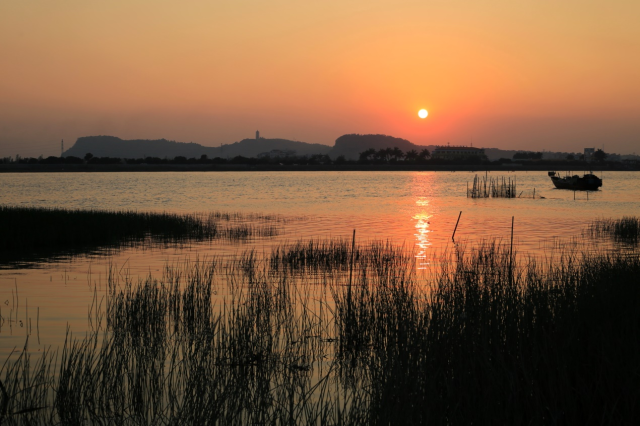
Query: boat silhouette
[{"x": 588, "y": 182}]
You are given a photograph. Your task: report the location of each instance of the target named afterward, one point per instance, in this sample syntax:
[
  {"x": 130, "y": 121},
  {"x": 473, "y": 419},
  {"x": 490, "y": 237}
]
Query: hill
[
  {"x": 111, "y": 146},
  {"x": 352, "y": 145}
]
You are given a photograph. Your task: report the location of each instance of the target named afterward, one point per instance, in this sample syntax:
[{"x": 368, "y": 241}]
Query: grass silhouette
[
  {"x": 288, "y": 338},
  {"x": 42, "y": 232}
]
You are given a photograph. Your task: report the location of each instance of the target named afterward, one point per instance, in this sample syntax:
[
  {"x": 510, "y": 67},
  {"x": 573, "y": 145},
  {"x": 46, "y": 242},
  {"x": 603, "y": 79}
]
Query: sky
[{"x": 557, "y": 75}]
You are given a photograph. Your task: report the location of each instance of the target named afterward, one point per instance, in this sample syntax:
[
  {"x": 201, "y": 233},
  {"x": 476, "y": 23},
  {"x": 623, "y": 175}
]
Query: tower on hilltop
[{"x": 257, "y": 134}]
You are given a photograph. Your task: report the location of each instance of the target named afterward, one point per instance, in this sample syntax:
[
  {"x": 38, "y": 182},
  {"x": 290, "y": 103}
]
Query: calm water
[{"x": 418, "y": 209}]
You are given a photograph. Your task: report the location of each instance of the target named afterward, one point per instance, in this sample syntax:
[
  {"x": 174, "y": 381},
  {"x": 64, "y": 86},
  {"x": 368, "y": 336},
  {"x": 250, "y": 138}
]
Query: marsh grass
[
  {"x": 334, "y": 255},
  {"x": 30, "y": 232},
  {"x": 288, "y": 338},
  {"x": 539, "y": 344},
  {"x": 498, "y": 187},
  {"x": 624, "y": 230}
]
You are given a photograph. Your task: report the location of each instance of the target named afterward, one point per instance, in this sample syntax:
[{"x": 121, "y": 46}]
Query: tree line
[
  {"x": 599, "y": 156},
  {"x": 394, "y": 154},
  {"x": 369, "y": 156}
]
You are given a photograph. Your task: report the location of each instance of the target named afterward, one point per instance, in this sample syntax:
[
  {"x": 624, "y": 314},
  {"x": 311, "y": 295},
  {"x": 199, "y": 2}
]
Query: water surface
[{"x": 419, "y": 209}]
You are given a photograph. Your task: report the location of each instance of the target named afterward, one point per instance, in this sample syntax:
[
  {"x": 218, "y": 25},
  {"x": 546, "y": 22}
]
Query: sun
[{"x": 423, "y": 113}]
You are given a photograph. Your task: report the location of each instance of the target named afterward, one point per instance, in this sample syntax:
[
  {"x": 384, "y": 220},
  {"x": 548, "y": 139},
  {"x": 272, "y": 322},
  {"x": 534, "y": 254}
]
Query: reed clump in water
[
  {"x": 489, "y": 339},
  {"x": 331, "y": 255},
  {"x": 47, "y": 231},
  {"x": 625, "y": 230},
  {"x": 500, "y": 187}
]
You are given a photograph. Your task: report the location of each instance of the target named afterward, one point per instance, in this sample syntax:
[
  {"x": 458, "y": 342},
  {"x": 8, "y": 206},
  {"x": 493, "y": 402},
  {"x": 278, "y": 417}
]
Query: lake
[{"x": 417, "y": 209}]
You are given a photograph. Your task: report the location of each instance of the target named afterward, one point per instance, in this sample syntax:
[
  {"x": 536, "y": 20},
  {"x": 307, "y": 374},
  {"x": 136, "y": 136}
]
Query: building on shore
[{"x": 458, "y": 152}]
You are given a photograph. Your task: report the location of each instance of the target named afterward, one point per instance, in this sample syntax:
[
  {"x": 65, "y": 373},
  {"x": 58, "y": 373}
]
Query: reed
[
  {"x": 43, "y": 232},
  {"x": 334, "y": 255},
  {"x": 551, "y": 344},
  {"x": 625, "y": 230},
  {"x": 287, "y": 338},
  {"x": 499, "y": 187}
]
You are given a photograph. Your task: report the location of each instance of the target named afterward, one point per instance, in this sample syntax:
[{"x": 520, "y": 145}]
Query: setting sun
[{"x": 423, "y": 113}]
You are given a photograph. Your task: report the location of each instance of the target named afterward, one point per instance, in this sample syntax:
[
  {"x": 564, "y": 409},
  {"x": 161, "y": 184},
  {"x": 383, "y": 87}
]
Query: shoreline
[{"x": 93, "y": 168}]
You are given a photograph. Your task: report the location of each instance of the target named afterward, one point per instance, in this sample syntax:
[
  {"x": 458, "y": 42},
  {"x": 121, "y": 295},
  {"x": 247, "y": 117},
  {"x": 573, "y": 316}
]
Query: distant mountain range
[
  {"x": 349, "y": 146},
  {"x": 111, "y": 146}
]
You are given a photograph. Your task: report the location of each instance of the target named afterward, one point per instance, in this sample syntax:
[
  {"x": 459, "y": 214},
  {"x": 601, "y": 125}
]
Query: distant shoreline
[{"x": 93, "y": 168}]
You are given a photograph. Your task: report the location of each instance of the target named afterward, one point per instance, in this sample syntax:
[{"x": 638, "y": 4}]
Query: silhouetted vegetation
[
  {"x": 393, "y": 155},
  {"x": 599, "y": 155},
  {"x": 494, "y": 187},
  {"x": 424, "y": 154},
  {"x": 35, "y": 232},
  {"x": 625, "y": 230},
  {"x": 304, "y": 336},
  {"x": 369, "y": 156},
  {"x": 104, "y": 160},
  {"x": 527, "y": 156},
  {"x": 372, "y": 141},
  {"x": 48, "y": 160}
]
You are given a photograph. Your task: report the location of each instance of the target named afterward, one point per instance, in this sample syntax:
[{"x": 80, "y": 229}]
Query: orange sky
[{"x": 518, "y": 74}]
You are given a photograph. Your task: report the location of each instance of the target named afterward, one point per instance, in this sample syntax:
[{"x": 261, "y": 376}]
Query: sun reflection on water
[
  {"x": 424, "y": 211},
  {"x": 423, "y": 241}
]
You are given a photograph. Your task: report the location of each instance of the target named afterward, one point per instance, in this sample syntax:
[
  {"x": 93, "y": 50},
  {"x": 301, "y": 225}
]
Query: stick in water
[{"x": 454, "y": 229}]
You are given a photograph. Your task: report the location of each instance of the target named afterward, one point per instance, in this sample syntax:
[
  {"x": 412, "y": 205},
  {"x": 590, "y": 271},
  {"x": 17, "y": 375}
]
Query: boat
[{"x": 588, "y": 182}]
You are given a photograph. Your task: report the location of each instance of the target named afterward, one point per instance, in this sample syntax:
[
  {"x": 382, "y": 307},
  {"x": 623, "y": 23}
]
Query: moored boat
[{"x": 588, "y": 182}]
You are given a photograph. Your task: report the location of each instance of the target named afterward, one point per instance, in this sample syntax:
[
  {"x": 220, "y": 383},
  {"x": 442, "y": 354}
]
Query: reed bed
[
  {"x": 30, "y": 231},
  {"x": 624, "y": 230},
  {"x": 335, "y": 255},
  {"x": 499, "y": 187},
  {"x": 302, "y": 336},
  {"x": 501, "y": 343}
]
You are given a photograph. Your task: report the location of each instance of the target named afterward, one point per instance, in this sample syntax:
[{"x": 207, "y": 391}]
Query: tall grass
[
  {"x": 499, "y": 187},
  {"x": 289, "y": 338},
  {"x": 626, "y": 229},
  {"x": 335, "y": 255},
  {"x": 539, "y": 344},
  {"x": 29, "y": 231}
]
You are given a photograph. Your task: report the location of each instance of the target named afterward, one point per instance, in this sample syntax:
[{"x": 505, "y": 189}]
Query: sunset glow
[
  {"x": 311, "y": 212},
  {"x": 214, "y": 72}
]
